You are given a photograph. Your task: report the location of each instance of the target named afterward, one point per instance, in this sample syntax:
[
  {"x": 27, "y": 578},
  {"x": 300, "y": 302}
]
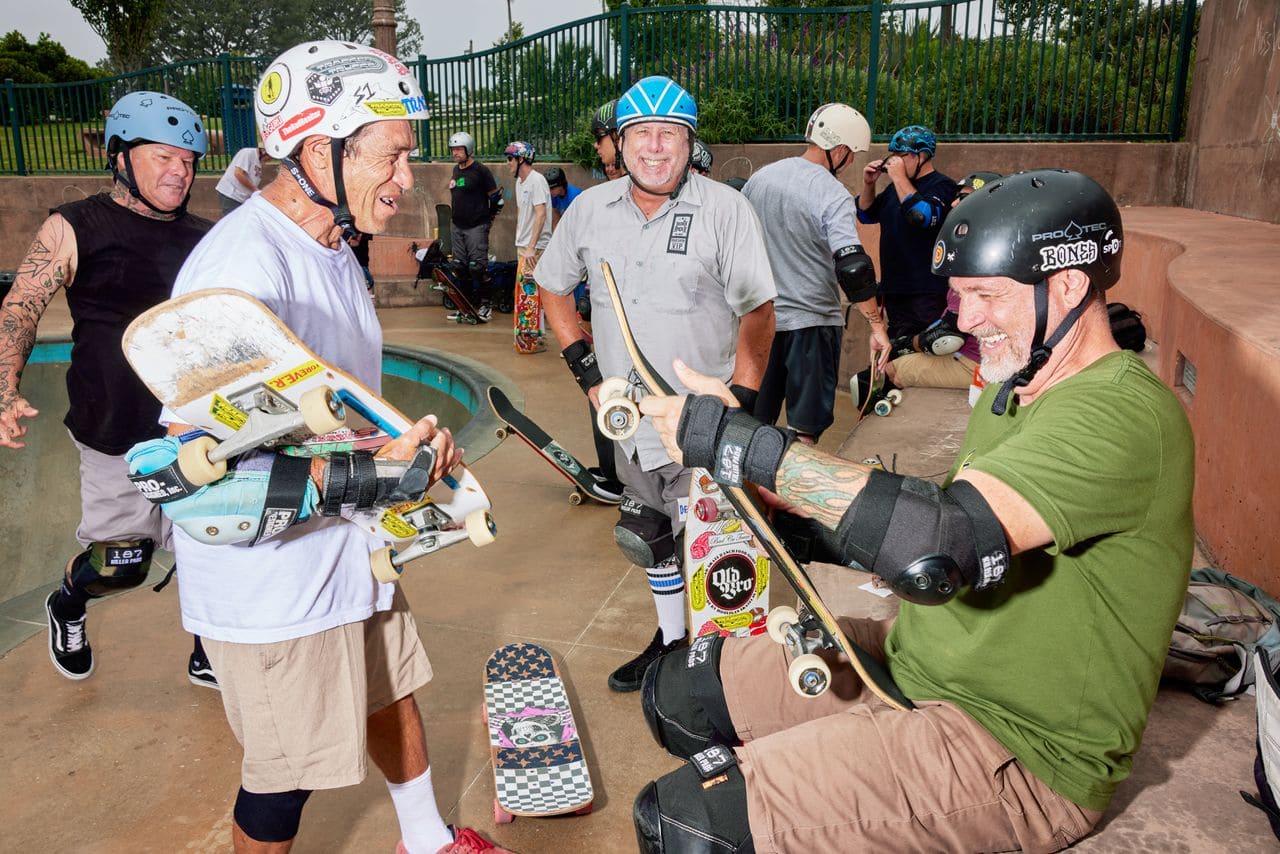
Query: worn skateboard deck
[
  {"x": 529, "y": 332},
  {"x": 465, "y": 313},
  {"x": 585, "y": 484},
  {"x": 814, "y": 627},
  {"x": 539, "y": 768},
  {"x": 444, "y": 229},
  {"x": 726, "y": 573},
  {"x": 222, "y": 362}
]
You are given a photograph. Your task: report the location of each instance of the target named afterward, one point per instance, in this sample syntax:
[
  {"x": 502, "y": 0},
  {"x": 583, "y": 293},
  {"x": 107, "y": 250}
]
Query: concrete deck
[{"x": 135, "y": 759}]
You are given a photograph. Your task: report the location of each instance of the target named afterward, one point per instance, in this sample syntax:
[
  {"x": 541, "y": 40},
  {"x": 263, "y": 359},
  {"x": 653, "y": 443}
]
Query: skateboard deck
[
  {"x": 539, "y": 768},
  {"x": 444, "y": 229},
  {"x": 815, "y": 626},
  {"x": 222, "y": 362},
  {"x": 585, "y": 484},
  {"x": 465, "y": 313},
  {"x": 726, "y": 574},
  {"x": 529, "y": 332}
]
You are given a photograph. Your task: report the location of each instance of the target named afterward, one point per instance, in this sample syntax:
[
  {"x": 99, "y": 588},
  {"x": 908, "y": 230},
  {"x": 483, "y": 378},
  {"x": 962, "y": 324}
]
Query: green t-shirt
[{"x": 1061, "y": 662}]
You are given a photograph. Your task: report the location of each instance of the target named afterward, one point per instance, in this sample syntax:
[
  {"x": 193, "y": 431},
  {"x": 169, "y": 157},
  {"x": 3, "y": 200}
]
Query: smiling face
[
  {"x": 376, "y": 173},
  {"x": 999, "y": 312},
  {"x": 163, "y": 173},
  {"x": 656, "y": 154}
]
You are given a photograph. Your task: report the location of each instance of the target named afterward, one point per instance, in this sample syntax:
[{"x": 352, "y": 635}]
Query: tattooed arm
[{"x": 49, "y": 265}]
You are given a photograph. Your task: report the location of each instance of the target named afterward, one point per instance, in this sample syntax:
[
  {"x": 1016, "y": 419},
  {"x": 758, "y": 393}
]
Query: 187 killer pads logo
[{"x": 730, "y": 582}]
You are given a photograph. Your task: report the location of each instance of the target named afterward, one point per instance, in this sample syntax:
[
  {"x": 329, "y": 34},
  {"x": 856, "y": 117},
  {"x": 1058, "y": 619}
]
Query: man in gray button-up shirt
[{"x": 690, "y": 263}]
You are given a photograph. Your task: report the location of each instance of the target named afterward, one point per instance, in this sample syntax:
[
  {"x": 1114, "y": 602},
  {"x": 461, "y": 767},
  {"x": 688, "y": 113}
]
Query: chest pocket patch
[{"x": 678, "y": 240}]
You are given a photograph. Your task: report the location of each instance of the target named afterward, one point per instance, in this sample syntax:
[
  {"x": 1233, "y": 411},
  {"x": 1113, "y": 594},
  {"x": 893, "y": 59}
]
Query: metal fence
[{"x": 970, "y": 69}]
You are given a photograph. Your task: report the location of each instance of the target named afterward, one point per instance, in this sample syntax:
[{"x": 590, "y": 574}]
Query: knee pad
[
  {"x": 683, "y": 699},
  {"x": 106, "y": 568},
  {"x": 270, "y": 817},
  {"x": 644, "y": 534},
  {"x": 698, "y": 809}
]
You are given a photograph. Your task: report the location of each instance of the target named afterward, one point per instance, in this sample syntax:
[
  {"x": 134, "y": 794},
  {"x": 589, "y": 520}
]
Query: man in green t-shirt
[{"x": 1039, "y": 584}]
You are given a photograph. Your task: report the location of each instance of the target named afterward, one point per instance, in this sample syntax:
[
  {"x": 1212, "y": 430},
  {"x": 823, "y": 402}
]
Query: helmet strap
[
  {"x": 834, "y": 168},
  {"x": 131, "y": 183},
  {"x": 341, "y": 213},
  {"x": 1041, "y": 350}
]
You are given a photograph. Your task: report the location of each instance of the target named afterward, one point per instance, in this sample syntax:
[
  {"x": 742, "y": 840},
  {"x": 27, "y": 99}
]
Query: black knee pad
[
  {"x": 106, "y": 568},
  {"x": 698, "y": 809},
  {"x": 643, "y": 534},
  {"x": 683, "y": 699},
  {"x": 270, "y": 817}
]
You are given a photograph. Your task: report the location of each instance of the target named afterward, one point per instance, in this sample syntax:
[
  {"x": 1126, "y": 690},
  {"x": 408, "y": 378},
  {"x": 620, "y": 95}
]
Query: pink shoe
[{"x": 465, "y": 841}]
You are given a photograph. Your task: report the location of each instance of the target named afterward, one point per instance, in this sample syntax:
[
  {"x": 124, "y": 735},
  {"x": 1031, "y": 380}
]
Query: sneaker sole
[
  {"x": 203, "y": 683},
  {"x": 75, "y": 677}
]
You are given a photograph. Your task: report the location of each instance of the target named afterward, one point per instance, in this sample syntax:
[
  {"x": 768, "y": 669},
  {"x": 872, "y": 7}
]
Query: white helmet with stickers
[
  {"x": 332, "y": 88},
  {"x": 838, "y": 124}
]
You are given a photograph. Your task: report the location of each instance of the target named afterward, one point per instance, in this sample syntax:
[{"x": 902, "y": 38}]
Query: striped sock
[{"x": 666, "y": 583}]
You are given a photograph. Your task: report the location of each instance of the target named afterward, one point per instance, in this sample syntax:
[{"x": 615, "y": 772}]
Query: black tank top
[{"x": 126, "y": 263}]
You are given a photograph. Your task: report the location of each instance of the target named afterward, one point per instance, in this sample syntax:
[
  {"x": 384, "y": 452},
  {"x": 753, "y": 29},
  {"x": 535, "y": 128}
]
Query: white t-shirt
[
  {"x": 315, "y": 575},
  {"x": 530, "y": 191},
  {"x": 246, "y": 159}
]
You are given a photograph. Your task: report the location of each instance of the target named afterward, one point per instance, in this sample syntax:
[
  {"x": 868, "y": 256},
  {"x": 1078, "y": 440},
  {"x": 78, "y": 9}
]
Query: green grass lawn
[{"x": 75, "y": 146}]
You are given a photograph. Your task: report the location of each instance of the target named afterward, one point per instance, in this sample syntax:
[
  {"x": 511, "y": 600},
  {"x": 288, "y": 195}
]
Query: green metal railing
[{"x": 970, "y": 69}]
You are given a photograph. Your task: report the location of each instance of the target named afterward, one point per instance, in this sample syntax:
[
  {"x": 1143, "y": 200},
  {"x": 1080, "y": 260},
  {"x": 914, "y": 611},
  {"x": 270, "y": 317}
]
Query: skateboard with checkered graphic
[{"x": 539, "y": 768}]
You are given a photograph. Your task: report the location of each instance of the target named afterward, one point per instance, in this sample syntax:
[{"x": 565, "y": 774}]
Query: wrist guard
[
  {"x": 746, "y": 397},
  {"x": 729, "y": 443},
  {"x": 581, "y": 360},
  {"x": 360, "y": 480}
]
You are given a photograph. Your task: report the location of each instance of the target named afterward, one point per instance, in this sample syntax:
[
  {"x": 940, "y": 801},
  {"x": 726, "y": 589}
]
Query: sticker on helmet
[
  {"x": 1068, "y": 255},
  {"x": 939, "y": 250},
  {"x": 1070, "y": 232},
  {"x": 978, "y": 183},
  {"x": 341, "y": 66},
  {"x": 273, "y": 92},
  {"x": 386, "y": 108},
  {"x": 323, "y": 89},
  {"x": 1110, "y": 243},
  {"x": 303, "y": 121},
  {"x": 414, "y": 104}
]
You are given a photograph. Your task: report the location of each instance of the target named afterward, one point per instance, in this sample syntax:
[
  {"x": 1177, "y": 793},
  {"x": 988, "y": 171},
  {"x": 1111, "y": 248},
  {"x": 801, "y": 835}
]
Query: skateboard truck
[
  {"x": 269, "y": 417},
  {"x": 431, "y": 526},
  {"x": 802, "y": 635},
  {"x": 619, "y": 416}
]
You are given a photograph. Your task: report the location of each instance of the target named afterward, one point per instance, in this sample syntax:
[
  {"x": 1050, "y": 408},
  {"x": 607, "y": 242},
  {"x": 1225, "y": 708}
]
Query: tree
[
  {"x": 353, "y": 22},
  {"x": 126, "y": 26},
  {"x": 45, "y": 61}
]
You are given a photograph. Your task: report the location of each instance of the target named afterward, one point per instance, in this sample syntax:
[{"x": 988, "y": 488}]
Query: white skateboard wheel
[
  {"x": 779, "y": 620},
  {"x": 618, "y": 418},
  {"x": 613, "y": 387},
  {"x": 480, "y": 528},
  {"x": 321, "y": 410},
  {"x": 575, "y": 498},
  {"x": 809, "y": 675},
  {"x": 883, "y": 407},
  {"x": 894, "y": 396},
  {"x": 383, "y": 568},
  {"x": 194, "y": 462}
]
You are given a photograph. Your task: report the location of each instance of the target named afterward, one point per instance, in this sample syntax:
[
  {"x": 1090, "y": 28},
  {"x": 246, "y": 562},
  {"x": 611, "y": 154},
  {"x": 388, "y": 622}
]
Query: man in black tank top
[{"x": 122, "y": 251}]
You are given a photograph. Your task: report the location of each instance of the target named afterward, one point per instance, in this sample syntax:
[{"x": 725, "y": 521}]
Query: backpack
[
  {"x": 1223, "y": 619},
  {"x": 1266, "y": 764}
]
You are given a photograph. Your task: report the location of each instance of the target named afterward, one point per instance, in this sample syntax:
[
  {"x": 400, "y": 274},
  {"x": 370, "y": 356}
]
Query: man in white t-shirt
[
  {"x": 317, "y": 660},
  {"x": 533, "y": 204},
  {"x": 241, "y": 179}
]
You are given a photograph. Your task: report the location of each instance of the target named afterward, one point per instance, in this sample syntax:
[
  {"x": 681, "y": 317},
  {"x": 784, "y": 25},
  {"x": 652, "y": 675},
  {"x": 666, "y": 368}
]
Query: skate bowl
[{"x": 43, "y": 510}]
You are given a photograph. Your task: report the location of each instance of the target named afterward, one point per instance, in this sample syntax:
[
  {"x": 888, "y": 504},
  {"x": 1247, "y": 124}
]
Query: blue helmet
[
  {"x": 154, "y": 117},
  {"x": 657, "y": 99},
  {"x": 914, "y": 139}
]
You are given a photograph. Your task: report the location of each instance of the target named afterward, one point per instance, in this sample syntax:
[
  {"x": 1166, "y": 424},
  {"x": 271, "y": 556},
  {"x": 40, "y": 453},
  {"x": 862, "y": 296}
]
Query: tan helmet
[{"x": 832, "y": 125}]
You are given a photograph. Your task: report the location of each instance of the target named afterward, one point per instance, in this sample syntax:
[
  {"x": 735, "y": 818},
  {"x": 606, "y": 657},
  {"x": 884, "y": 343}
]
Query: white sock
[
  {"x": 421, "y": 827},
  {"x": 666, "y": 582}
]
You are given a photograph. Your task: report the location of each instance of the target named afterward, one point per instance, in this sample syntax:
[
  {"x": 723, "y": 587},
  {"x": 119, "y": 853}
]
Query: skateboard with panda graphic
[{"x": 539, "y": 768}]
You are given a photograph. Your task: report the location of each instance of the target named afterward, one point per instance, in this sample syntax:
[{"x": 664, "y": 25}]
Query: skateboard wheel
[
  {"x": 501, "y": 433},
  {"x": 585, "y": 810},
  {"x": 194, "y": 462},
  {"x": 321, "y": 410},
  {"x": 480, "y": 528},
  {"x": 894, "y": 396},
  {"x": 618, "y": 418},
  {"x": 809, "y": 675},
  {"x": 383, "y": 568},
  {"x": 883, "y": 407},
  {"x": 613, "y": 387},
  {"x": 501, "y": 816},
  {"x": 706, "y": 509},
  {"x": 779, "y": 619},
  {"x": 575, "y": 498}
]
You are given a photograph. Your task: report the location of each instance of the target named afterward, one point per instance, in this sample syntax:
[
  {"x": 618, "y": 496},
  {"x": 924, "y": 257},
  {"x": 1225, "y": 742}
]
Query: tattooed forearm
[
  {"x": 821, "y": 485},
  {"x": 46, "y": 268}
]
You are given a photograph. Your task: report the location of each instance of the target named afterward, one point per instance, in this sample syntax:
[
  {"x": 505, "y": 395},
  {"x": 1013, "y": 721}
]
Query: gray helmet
[{"x": 463, "y": 140}]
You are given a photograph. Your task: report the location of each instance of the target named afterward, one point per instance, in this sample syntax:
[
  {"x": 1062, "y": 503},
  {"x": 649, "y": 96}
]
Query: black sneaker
[
  {"x": 200, "y": 672},
  {"x": 610, "y": 488},
  {"x": 485, "y": 312},
  {"x": 69, "y": 648},
  {"x": 629, "y": 676}
]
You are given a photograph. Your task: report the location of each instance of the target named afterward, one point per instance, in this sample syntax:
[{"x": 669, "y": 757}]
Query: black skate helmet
[{"x": 555, "y": 177}]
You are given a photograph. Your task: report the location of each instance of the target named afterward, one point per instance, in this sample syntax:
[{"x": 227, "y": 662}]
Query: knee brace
[
  {"x": 106, "y": 568},
  {"x": 270, "y": 817},
  {"x": 698, "y": 809},
  {"x": 644, "y": 534},
  {"x": 683, "y": 699}
]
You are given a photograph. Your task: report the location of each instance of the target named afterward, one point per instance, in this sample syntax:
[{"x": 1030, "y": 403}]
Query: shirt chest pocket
[{"x": 678, "y": 283}]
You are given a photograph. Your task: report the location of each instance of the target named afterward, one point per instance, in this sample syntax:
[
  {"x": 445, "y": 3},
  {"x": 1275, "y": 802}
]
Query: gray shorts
[
  {"x": 111, "y": 509},
  {"x": 665, "y": 488}
]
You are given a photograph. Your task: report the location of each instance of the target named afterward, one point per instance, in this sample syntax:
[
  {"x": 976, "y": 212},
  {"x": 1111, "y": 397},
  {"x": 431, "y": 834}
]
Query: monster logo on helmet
[
  {"x": 331, "y": 88},
  {"x": 150, "y": 117},
  {"x": 1026, "y": 227}
]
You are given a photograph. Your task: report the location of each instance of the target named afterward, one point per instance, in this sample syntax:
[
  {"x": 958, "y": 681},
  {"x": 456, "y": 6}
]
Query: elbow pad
[
  {"x": 855, "y": 273},
  {"x": 922, "y": 211},
  {"x": 942, "y": 338},
  {"x": 925, "y": 542}
]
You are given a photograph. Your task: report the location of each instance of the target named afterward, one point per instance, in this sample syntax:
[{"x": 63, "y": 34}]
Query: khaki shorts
[
  {"x": 924, "y": 370},
  {"x": 929, "y": 780},
  {"x": 299, "y": 707}
]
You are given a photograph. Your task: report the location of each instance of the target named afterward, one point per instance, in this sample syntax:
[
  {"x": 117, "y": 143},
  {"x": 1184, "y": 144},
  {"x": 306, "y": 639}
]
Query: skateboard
[
  {"x": 465, "y": 313},
  {"x": 585, "y": 484},
  {"x": 726, "y": 575},
  {"x": 528, "y": 313},
  {"x": 813, "y": 627},
  {"x": 539, "y": 768},
  {"x": 221, "y": 361},
  {"x": 879, "y": 400},
  {"x": 444, "y": 229}
]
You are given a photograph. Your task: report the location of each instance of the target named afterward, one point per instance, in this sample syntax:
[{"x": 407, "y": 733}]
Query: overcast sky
[{"x": 448, "y": 26}]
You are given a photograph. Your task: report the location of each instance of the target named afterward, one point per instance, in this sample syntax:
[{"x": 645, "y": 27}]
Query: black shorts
[{"x": 802, "y": 371}]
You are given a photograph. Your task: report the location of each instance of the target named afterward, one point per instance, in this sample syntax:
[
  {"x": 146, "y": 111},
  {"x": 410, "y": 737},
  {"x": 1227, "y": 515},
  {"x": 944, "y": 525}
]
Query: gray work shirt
[
  {"x": 686, "y": 277},
  {"x": 806, "y": 214}
]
